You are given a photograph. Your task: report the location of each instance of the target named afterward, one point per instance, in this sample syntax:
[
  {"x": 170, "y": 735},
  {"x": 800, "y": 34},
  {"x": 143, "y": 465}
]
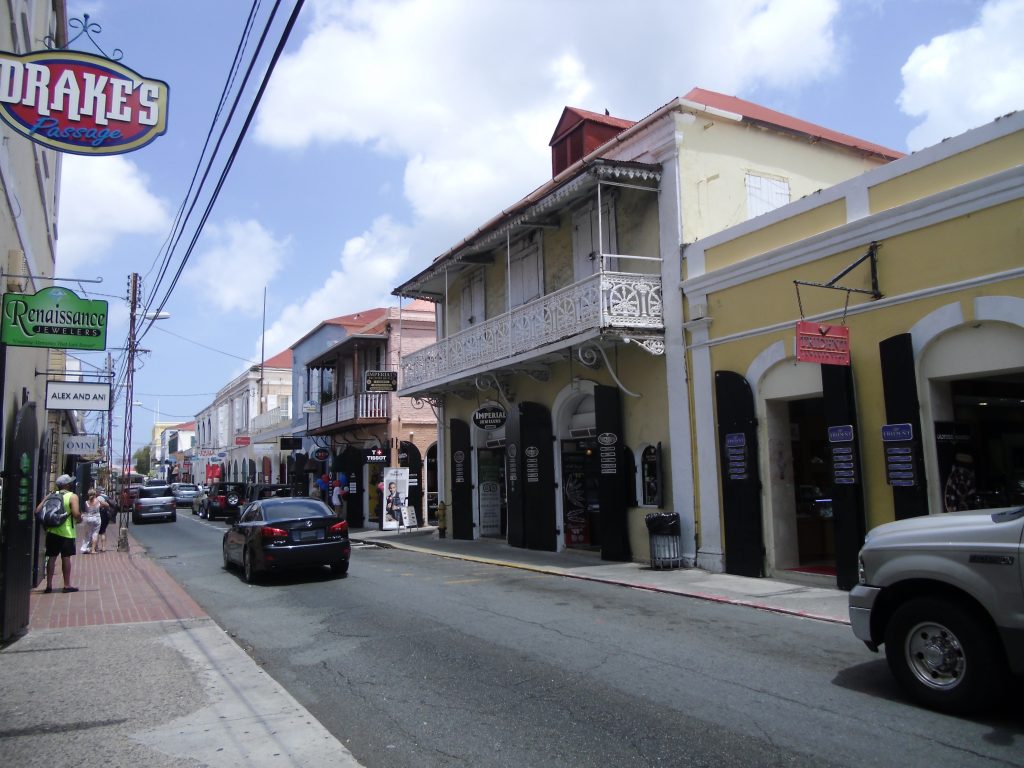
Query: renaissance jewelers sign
[
  {"x": 55, "y": 318},
  {"x": 80, "y": 103},
  {"x": 824, "y": 344}
]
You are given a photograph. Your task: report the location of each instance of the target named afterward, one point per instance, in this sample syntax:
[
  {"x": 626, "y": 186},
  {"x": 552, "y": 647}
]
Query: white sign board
[
  {"x": 77, "y": 396},
  {"x": 82, "y": 445},
  {"x": 310, "y": 406}
]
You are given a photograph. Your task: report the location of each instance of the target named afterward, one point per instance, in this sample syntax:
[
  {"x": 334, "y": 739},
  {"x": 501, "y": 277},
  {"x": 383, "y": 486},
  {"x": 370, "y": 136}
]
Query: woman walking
[{"x": 92, "y": 518}]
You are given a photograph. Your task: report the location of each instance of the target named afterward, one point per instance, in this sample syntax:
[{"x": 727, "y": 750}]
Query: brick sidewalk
[{"x": 114, "y": 588}]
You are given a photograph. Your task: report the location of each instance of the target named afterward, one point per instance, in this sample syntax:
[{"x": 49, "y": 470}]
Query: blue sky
[{"x": 393, "y": 129}]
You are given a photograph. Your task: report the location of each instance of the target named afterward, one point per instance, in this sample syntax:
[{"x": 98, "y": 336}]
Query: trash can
[{"x": 666, "y": 543}]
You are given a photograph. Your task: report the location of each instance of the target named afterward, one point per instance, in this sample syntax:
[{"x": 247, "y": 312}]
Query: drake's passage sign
[{"x": 80, "y": 103}]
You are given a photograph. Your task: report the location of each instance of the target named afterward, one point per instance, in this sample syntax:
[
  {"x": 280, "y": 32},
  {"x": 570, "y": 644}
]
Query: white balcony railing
[
  {"x": 605, "y": 300},
  {"x": 366, "y": 405},
  {"x": 272, "y": 419}
]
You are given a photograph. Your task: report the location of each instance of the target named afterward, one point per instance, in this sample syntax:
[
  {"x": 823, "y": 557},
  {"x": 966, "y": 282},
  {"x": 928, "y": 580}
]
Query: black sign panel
[
  {"x": 537, "y": 462},
  {"x": 382, "y": 381},
  {"x": 902, "y": 435},
  {"x": 291, "y": 443},
  {"x": 613, "y": 478},
  {"x": 18, "y": 524},
  {"x": 462, "y": 480}
]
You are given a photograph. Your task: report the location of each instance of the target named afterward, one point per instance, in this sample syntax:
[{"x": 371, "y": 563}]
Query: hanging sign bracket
[{"x": 874, "y": 293}]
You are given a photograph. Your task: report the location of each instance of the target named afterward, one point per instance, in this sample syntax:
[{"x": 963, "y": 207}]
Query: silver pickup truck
[
  {"x": 154, "y": 501},
  {"x": 945, "y": 595}
]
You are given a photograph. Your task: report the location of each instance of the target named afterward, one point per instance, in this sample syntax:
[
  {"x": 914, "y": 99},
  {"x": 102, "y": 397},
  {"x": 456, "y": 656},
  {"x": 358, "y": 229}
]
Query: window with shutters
[
  {"x": 525, "y": 276},
  {"x": 765, "y": 193},
  {"x": 588, "y": 245},
  {"x": 471, "y": 305}
]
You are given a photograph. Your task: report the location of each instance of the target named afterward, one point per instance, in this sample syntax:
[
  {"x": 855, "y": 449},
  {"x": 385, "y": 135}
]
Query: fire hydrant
[{"x": 442, "y": 516}]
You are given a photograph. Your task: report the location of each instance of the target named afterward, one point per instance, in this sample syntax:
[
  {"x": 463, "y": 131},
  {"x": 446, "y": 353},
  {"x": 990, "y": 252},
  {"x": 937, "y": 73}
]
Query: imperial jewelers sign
[
  {"x": 80, "y": 103},
  {"x": 82, "y": 445},
  {"x": 77, "y": 396},
  {"x": 55, "y": 318}
]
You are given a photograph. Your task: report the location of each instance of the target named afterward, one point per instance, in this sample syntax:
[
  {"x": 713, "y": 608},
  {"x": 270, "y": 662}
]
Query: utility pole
[
  {"x": 129, "y": 396},
  {"x": 110, "y": 425}
]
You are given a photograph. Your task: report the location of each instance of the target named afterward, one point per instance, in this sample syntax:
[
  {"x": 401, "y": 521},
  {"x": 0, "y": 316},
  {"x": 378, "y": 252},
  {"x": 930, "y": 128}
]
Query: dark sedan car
[{"x": 282, "y": 533}]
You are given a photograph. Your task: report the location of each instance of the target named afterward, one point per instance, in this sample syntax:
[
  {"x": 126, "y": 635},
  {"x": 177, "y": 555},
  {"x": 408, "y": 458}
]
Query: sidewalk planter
[{"x": 666, "y": 543}]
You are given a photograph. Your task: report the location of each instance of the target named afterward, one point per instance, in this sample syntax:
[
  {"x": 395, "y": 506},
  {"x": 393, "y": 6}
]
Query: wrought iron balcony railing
[
  {"x": 365, "y": 405},
  {"x": 607, "y": 300}
]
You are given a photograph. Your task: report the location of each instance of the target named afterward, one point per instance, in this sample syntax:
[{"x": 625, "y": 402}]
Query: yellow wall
[{"x": 995, "y": 156}]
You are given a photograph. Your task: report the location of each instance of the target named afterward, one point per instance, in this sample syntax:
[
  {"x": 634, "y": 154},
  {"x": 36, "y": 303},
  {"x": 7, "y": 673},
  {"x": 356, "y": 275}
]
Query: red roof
[
  {"x": 757, "y": 113},
  {"x": 573, "y": 116},
  {"x": 280, "y": 360},
  {"x": 188, "y": 426}
]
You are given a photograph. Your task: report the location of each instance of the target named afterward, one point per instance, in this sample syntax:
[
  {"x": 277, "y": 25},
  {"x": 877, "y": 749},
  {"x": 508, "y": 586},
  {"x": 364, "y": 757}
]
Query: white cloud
[
  {"x": 237, "y": 259},
  {"x": 469, "y": 92},
  {"x": 369, "y": 267},
  {"x": 103, "y": 198},
  {"x": 968, "y": 77}
]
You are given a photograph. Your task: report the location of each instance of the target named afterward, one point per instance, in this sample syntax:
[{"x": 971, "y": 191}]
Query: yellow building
[
  {"x": 924, "y": 259},
  {"x": 560, "y": 320}
]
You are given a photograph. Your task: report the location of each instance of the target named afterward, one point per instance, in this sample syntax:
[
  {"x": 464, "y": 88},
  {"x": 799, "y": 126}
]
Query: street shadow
[{"x": 1005, "y": 718}]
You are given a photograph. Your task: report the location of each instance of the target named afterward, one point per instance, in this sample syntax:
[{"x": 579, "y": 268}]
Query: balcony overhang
[
  {"x": 349, "y": 345},
  {"x": 536, "y": 211}
]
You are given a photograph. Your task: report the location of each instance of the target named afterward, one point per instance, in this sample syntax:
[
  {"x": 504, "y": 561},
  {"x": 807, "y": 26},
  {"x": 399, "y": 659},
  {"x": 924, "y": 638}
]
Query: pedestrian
[
  {"x": 96, "y": 519},
  {"x": 338, "y": 500},
  {"x": 60, "y": 540}
]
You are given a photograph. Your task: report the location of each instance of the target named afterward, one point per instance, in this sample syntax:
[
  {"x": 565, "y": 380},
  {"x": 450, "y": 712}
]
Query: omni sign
[{"x": 80, "y": 103}]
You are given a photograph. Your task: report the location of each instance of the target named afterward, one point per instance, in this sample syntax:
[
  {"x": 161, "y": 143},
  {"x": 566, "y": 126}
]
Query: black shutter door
[
  {"x": 899, "y": 384},
  {"x": 462, "y": 480},
  {"x": 613, "y": 477},
  {"x": 18, "y": 520},
  {"x": 537, "y": 462},
  {"x": 741, "y": 483},
  {"x": 514, "y": 479},
  {"x": 847, "y": 497}
]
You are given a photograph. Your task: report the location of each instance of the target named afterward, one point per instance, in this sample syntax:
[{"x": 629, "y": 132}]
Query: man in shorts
[{"x": 61, "y": 539}]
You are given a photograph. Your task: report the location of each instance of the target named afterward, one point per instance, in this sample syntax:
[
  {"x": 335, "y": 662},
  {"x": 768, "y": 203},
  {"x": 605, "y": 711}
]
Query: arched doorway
[
  {"x": 579, "y": 471},
  {"x": 409, "y": 456},
  {"x": 267, "y": 471}
]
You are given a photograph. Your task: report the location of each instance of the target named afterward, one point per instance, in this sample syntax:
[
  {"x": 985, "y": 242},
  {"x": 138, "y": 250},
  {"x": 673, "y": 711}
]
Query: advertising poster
[{"x": 396, "y": 495}]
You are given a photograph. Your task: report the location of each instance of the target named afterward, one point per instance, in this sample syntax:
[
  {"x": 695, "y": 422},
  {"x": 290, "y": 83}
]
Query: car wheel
[
  {"x": 227, "y": 560},
  {"x": 233, "y": 499},
  {"x": 247, "y": 572},
  {"x": 340, "y": 569},
  {"x": 944, "y": 656}
]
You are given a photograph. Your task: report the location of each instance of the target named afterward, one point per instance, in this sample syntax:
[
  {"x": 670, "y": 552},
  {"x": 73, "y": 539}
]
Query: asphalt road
[{"x": 415, "y": 660}]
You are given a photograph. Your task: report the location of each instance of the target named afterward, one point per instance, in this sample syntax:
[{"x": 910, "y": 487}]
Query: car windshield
[
  {"x": 154, "y": 491},
  {"x": 296, "y": 508},
  {"x": 186, "y": 487}
]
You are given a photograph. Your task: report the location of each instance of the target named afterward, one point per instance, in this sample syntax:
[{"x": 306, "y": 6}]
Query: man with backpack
[{"x": 60, "y": 539}]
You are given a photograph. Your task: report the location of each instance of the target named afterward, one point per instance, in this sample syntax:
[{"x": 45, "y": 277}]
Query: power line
[{"x": 204, "y": 346}]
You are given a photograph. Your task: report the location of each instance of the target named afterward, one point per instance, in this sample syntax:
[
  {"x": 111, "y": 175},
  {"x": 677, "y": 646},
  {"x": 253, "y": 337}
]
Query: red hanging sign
[{"x": 823, "y": 344}]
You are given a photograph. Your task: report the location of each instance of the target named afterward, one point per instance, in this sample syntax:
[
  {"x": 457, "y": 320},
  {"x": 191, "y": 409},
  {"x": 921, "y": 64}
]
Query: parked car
[
  {"x": 224, "y": 499},
  {"x": 945, "y": 595},
  {"x": 184, "y": 492},
  {"x": 282, "y": 533},
  {"x": 154, "y": 501},
  {"x": 256, "y": 491}
]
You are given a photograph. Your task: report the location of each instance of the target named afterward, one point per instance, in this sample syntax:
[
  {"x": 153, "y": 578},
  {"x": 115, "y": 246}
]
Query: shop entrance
[
  {"x": 980, "y": 452},
  {"x": 815, "y": 527},
  {"x": 581, "y": 501},
  {"x": 491, "y": 496}
]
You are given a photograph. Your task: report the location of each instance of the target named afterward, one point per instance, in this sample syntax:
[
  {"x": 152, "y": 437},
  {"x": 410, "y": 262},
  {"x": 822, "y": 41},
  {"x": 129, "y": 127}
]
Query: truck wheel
[{"x": 944, "y": 656}]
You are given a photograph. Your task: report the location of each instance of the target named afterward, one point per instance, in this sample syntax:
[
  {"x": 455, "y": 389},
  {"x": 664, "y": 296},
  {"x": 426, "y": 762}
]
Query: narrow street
[{"x": 415, "y": 660}]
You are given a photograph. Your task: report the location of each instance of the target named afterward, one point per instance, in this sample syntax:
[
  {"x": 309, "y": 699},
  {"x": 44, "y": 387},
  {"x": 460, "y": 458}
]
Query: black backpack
[{"x": 52, "y": 513}]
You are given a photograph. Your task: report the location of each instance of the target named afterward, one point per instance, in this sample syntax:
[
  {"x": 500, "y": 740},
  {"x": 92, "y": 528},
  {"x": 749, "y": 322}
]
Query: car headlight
[{"x": 861, "y": 575}]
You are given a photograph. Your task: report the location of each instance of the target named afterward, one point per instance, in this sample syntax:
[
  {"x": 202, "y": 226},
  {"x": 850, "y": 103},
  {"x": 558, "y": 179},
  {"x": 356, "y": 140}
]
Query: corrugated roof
[
  {"x": 573, "y": 116},
  {"x": 757, "y": 113}
]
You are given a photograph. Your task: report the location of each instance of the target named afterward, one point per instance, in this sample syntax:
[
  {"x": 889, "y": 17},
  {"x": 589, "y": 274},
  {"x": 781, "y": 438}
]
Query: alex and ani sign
[
  {"x": 80, "y": 103},
  {"x": 55, "y": 318},
  {"x": 824, "y": 344}
]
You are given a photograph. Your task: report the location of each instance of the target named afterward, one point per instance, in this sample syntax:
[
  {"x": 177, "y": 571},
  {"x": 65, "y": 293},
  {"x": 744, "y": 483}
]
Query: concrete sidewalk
[
  {"x": 822, "y": 603},
  {"x": 130, "y": 671}
]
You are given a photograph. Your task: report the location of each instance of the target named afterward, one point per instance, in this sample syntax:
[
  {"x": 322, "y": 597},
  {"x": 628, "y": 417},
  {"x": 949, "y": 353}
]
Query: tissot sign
[{"x": 80, "y": 103}]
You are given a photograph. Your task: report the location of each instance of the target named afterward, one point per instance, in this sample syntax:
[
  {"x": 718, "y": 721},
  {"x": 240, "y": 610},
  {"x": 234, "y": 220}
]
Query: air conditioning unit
[{"x": 17, "y": 271}]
